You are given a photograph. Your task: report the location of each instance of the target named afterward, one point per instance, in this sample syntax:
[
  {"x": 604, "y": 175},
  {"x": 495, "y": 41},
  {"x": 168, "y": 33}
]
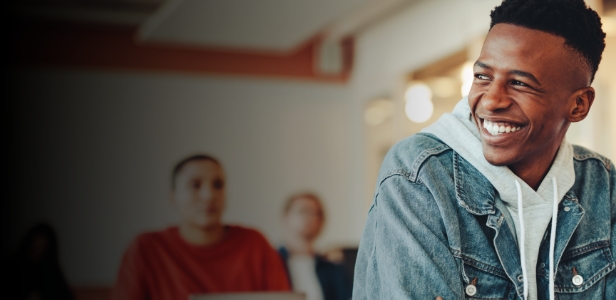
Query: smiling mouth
[{"x": 498, "y": 128}]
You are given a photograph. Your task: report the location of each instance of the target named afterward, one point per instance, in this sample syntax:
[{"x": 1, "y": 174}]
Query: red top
[{"x": 162, "y": 265}]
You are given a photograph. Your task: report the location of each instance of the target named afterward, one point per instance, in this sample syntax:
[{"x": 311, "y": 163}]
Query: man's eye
[
  {"x": 520, "y": 83},
  {"x": 482, "y": 77},
  {"x": 218, "y": 184},
  {"x": 196, "y": 185}
]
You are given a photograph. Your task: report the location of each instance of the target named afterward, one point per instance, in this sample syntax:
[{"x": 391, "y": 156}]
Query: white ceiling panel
[{"x": 278, "y": 25}]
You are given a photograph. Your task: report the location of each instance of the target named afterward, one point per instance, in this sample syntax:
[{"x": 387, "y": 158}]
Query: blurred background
[{"x": 105, "y": 96}]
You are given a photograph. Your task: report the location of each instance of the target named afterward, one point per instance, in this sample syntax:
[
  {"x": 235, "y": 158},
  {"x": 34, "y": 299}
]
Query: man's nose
[
  {"x": 206, "y": 192},
  {"x": 496, "y": 97}
]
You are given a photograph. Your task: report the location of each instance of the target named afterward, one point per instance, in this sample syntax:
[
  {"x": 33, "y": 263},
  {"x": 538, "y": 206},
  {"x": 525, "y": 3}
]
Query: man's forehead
[
  {"x": 525, "y": 39},
  {"x": 535, "y": 49}
]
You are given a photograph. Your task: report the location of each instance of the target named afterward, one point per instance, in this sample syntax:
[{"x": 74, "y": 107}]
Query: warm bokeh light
[
  {"x": 444, "y": 87},
  {"x": 419, "y": 107},
  {"x": 467, "y": 77}
]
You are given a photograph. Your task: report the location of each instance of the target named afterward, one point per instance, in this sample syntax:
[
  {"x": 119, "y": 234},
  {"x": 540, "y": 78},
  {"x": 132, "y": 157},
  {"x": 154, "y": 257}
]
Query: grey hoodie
[{"x": 458, "y": 131}]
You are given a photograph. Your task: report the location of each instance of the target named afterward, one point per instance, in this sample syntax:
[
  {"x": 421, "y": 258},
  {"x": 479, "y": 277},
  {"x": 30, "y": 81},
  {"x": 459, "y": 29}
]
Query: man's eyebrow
[
  {"x": 525, "y": 75},
  {"x": 513, "y": 72},
  {"x": 482, "y": 65}
]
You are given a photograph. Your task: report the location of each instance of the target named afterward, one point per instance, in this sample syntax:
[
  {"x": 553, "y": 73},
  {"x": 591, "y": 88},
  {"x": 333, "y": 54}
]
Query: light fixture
[{"x": 419, "y": 107}]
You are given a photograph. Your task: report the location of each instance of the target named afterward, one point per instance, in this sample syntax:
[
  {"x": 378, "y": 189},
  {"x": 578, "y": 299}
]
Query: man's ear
[{"x": 581, "y": 101}]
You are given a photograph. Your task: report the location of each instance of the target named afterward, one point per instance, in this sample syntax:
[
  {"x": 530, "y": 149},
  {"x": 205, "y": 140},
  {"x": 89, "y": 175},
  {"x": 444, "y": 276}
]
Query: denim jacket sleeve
[{"x": 404, "y": 252}]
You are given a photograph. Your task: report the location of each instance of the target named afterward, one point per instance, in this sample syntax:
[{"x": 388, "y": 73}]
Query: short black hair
[
  {"x": 178, "y": 167},
  {"x": 572, "y": 20}
]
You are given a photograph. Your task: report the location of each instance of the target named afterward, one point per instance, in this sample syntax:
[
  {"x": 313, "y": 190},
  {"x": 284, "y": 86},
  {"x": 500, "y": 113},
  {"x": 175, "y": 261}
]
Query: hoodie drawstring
[{"x": 521, "y": 243}]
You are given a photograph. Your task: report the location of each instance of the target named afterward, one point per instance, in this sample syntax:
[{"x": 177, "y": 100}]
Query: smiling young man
[
  {"x": 491, "y": 202},
  {"x": 201, "y": 254}
]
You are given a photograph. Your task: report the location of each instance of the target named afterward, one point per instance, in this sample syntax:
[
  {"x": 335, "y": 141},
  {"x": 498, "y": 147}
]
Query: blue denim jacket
[{"x": 437, "y": 225}]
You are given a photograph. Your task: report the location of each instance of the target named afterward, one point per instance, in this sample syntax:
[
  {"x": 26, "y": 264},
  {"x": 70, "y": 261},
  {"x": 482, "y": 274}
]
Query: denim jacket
[{"x": 437, "y": 227}]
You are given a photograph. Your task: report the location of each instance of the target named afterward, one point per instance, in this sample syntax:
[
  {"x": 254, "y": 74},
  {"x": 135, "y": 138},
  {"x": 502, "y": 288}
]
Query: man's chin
[
  {"x": 495, "y": 159},
  {"x": 207, "y": 225}
]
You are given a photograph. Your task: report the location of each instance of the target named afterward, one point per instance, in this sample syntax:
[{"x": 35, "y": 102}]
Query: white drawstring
[
  {"x": 522, "y": 243},
  {"x": 553, "y": 236}
]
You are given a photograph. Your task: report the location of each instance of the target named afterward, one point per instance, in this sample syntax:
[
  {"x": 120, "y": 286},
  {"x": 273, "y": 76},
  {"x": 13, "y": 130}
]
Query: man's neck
[
  {"x": 205, "y": 236},
  {"x": 534, "y": 172}
]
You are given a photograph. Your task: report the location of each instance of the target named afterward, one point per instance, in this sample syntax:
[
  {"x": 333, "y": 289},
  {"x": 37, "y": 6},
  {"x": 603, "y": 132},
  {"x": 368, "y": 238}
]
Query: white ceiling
[
  {"x": 278, "y": 25},
  {"x": 268, "y": 25}
]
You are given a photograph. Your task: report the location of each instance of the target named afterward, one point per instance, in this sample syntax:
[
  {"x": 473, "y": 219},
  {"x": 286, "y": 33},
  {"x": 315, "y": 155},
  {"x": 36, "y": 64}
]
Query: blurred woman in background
[{"x": 309, "y": 272}]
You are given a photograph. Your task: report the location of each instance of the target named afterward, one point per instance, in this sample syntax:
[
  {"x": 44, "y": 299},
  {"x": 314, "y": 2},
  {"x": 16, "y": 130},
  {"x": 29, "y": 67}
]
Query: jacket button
[
  {"x": 471, "y": 290},
  {"x": 567, "y": 208},
  {"x": 520, "y": 278},
  {"x": 577, "y": 280}
]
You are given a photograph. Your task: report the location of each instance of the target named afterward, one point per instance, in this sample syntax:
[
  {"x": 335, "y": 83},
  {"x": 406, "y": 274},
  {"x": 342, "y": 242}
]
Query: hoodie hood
[
  {"x": 531, "y": 210},
  {"x": 458, "y": 131}
]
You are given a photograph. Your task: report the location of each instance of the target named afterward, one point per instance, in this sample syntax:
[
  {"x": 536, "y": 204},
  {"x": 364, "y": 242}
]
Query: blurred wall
[{"x": 98, "y": 148}]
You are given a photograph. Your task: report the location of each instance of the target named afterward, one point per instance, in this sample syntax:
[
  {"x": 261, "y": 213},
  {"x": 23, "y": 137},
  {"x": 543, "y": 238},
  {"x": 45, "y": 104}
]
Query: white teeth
[{"x": 497, "y": 129}]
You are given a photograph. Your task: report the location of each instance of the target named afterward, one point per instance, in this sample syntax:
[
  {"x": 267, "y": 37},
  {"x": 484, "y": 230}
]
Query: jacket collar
[{"x": 474, "y": 191}]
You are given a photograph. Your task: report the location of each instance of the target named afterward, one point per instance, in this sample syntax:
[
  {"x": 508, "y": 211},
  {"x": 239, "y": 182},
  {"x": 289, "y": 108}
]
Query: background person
[
  {"x": 310, "y": 273},
  {"x": 201, "y": 254},
  {"x": 34, "y": 271}
]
